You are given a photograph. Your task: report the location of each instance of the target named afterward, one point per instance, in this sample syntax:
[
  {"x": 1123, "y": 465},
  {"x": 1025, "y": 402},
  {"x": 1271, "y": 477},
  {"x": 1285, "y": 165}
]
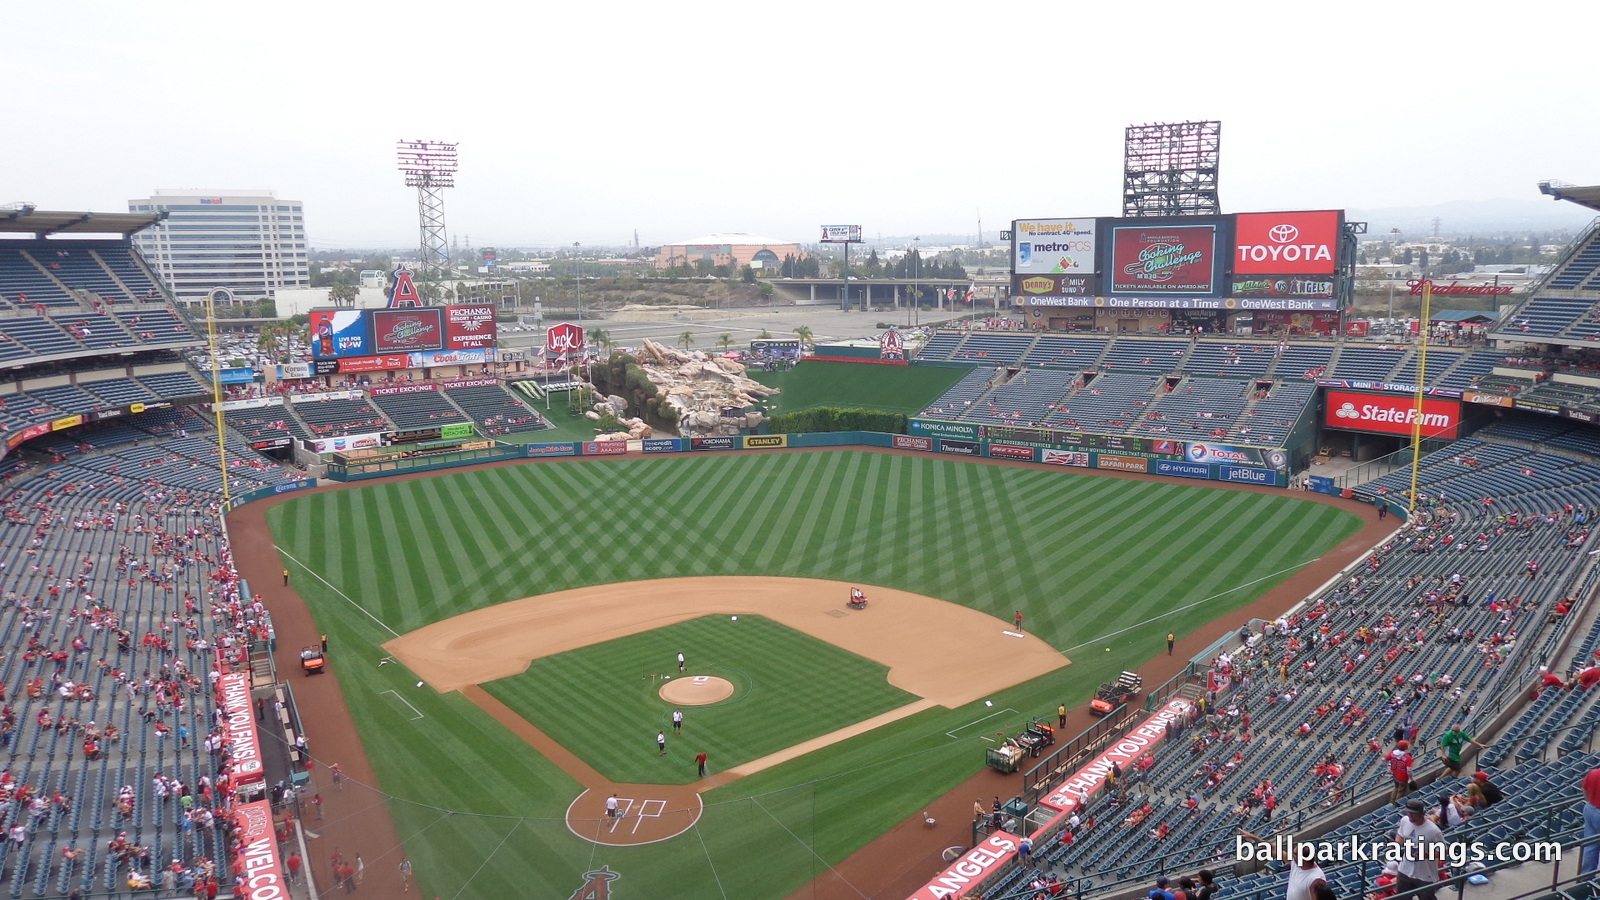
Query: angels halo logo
[
  {"x": 598, "y": 886},
  {"x": 1283, "y": 234}
]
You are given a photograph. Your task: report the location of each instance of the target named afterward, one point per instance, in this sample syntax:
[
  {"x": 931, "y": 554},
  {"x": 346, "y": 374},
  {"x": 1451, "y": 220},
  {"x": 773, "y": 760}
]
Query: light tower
[{"x": 430, "y": 167}]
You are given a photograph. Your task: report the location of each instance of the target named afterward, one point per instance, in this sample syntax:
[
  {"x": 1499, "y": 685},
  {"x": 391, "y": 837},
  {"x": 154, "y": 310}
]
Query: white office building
[{"x": 237, "y": 247}]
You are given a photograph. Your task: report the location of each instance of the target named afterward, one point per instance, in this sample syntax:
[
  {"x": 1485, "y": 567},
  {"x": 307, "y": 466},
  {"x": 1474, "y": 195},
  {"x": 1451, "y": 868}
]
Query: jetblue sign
[{"x": 1246, "y": 475}]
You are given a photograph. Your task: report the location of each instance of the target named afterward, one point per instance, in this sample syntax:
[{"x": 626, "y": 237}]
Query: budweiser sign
[{"x": 1479, "y": 290}]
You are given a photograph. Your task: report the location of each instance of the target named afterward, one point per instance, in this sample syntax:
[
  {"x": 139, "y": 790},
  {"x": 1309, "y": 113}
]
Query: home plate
[{"x": 1015, "y": 634}]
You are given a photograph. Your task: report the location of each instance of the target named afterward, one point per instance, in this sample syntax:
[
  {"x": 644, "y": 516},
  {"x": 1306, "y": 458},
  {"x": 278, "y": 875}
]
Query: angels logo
[
  {"x": 404, "y": 291},
  {"x": 254, "y": 820},
  {"x": 598, "y": 887},
  {"x": 891, "y": 345}
]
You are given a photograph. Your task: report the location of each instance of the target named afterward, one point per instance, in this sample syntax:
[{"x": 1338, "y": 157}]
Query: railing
[{"x": 1043, "y": 776}]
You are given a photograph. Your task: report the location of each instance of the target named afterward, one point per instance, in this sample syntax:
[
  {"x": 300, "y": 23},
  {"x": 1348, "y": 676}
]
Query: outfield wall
[{"x": 929, "y": 436}]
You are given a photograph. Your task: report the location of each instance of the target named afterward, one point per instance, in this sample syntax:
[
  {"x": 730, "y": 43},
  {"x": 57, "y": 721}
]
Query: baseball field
[{"x": 544, "y": 576}]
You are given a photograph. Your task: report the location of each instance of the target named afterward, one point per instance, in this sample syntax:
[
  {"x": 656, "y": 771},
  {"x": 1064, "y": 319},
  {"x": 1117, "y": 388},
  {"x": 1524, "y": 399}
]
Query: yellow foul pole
[
  {"x": 1422, "y": 384},
  {"x": 216, "y": 397}
]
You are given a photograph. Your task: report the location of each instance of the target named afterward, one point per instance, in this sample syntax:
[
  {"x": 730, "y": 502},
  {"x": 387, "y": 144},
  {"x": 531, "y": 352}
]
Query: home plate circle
[{"x": 696, "y": 690}]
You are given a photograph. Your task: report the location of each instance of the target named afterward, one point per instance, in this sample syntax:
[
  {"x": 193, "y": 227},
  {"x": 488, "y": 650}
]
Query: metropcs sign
[
  {"x": 1290, "y": 243},
  {"x": 1392, "y": 414}
]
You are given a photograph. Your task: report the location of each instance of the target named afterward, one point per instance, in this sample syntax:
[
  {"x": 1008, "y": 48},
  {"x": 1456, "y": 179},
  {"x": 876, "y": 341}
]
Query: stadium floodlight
[{"x": 430, "y": 167}]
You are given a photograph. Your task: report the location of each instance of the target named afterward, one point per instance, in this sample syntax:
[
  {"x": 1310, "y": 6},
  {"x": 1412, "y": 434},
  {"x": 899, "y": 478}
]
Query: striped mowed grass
[{"x": 1092, "y": 562}]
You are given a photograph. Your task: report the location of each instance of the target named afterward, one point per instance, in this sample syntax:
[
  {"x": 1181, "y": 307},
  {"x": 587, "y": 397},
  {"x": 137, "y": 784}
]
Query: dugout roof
[{"x": 43, "y": 223}]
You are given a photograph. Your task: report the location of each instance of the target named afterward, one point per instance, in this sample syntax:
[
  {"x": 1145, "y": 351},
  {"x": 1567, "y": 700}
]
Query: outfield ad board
[
  {"x": 457, "y": 430},
  {"x": 764, "y": 441},
  {"x": 959, "y": 448},
  {"x": 1180, "y": 469},
  {"x": 540, "y": 450},
  {"x": 1116, "y": 463},
  {"x": 941, "y": 428},
  {"x": 1228, "y": 454},
  {"x": 1247, "y": 475},
  {"x": 1286, "y": 243},
  {"x": 469, "y": 327},
  {"x": 906, "y": 442},
  {"x": 662, "y": 445},
  {"x": 339, "y": 333},
  {"x": 714, "y": 443},
  {"x": 1392, "y": 414},
  {"x": 1174, "y": 256},
  {"x": 1008, "y": 451},
  {"x": 604, "y": 448},
  {"x": 1076, "y": 458},
  {"x": 407, "y": 330}
]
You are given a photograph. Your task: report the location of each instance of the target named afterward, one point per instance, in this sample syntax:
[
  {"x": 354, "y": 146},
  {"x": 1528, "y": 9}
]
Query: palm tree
[
  {"x": 804, "y": 334},
  {"x": 342, "y": 294},
  {"x": 725, "y": 341},
  {"x": 602, "y": 339},
  {"x": 687, "y": 340}
]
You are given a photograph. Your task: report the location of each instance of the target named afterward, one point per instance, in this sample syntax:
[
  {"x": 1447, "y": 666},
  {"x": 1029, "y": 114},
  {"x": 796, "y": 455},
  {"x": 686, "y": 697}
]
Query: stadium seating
[
  {"x": 26, "y": 284},
  {"x": 174, "y": 385},
  {"x": 1365, "y": 363},
  {"x": 1579, "y": 272},
  {"x": 1230, "y": 359},
  {"x": 1145, "y": 355},
  {"x": 156, "y": 326},
  {"x": 496, "y": 411},
  {"x": 425, "y": 409},
  {"x": 337, "y": 418},
  {"x": 1053, "y": 351},
  {"x": 1024, "y": 401},
  {"x": 1198, "y": 408},
  {"x": 1107, "y": 403},
  {"x": 953, "y": 403}
]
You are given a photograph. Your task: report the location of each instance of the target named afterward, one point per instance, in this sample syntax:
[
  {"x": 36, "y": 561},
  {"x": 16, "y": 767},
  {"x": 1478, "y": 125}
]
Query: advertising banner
[
  {"x": 271, "y": 443},
  {"x": 841, "y": 234},
  {"x": 1077, "y": 458},
  {"x": 1283, "y": 293},
  {"x": 959, "y": 448},
  {"x": 259, "y": 862},
  {"x": 348, "y": 442},
  {"x": 714, "y": 443},
  {"x": 662, "y": 445},
  {"x": 765, "y": 441},
  {"x": 1122, "y": 463},
  {"x": 966, "y": 876},
  {"x": 427, "y": 360},
  {"x": 426, "y": 387},
  {"x": 1280, "y": 322},
  {"x": 337, "y": 333},
  {"x": 1488, "y": 399},
  {"x": 604, "y": 448},
  {"x": 1165, "y": 257},
  {"x": 941, "y": 428},
  {"x": 1302, "y": 243},
  {"x": 1054, "y": 247},
  {"x": 469, "y": 328},
  {"x": 1006, "y": 451},
  {"x": 239, "y": 727},
  {"x": 457, "y": 430},
  {"x": 407, "y": 330},
  {"x": 297, "y": 399},
  {"x": 563, "y": 338},
  {"x": 66, "y": 422},
  {"x": 468, "y": 383},
  {"x": 533, "y": 450},
  {"x": 1180, "y": 469},
  {"x": 1124, "y": 753},
  {"x": 1246, "y": 475},
  {"x": 375, "y": 363},
  {"x": 239, "y": 375},
  {"x": 1392, "y": 414},
  {"x": 294, "y": 370},
  {"x": 324, "y": 367},
  {"x": 1237, "y": 456},
  {"x": 1034, "y": 288},
  {"x": 906, "y": 442}
]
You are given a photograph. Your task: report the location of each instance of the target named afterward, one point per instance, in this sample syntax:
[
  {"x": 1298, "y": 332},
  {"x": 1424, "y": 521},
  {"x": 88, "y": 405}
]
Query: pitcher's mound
[{"x": 696, "y": 690}]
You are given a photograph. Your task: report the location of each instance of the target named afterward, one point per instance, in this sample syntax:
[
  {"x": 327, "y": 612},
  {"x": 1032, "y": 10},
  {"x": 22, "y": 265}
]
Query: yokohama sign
[
  {"x": 1300, "y": 243},
  {"x": 1392, "y": 414}
]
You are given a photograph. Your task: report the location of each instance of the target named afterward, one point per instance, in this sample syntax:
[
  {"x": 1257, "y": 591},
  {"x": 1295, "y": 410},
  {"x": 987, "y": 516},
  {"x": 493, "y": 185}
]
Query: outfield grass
[
  {"x": 1093, "y": 562},
  {"x": 790, "y": 687},
  {"x": 901, "y": 389}
]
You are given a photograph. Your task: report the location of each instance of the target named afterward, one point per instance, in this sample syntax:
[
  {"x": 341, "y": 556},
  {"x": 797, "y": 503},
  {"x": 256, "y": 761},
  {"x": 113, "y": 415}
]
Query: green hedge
[{"x": 830, "y": 418}]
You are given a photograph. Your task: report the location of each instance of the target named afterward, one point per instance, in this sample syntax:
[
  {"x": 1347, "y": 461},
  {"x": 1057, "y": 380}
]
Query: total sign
[
  {"x": 1393, "y": 413},
  {"x": 564, "y": 338},
  {"x": 1289, "y": 243}
]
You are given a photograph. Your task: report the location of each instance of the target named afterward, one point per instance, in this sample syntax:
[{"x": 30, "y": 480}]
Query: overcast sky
[{"x": 585, "y": 121}]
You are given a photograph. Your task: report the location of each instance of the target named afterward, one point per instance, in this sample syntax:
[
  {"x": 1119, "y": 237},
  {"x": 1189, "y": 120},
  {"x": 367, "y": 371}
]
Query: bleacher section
[
  {"x": 1365, "y": 363},
  {"x": 156, "y": 326},
  {"x": 1107, "y": 403},
  {"x": 1196, "y": 408},
  {"x": 955, "y": 402},
  {"x": 1268, "y": 421},
  {"x": 1054, "y": 351},
  {"x": 1145, "y": 355},
  {"x": 1579, "y": 272},
  {"x": 495, "y": 410},
  {"x": 25, "y": 285},
  {"x": 1225, "y": 359},
  {"x": 1027, "y": 400},
  {"x": 175, "y": 384},
  {"x": 340, "y": 417},
  {"x": 266, "y": 426},
  {"x": 423, "y": 409}
]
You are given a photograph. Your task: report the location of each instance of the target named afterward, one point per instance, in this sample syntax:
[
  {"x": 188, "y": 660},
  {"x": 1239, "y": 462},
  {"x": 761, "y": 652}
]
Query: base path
[{"x": 934, "y": 648}]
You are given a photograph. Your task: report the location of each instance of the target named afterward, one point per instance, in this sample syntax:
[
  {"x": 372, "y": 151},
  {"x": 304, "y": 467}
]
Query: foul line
[
  {"x": 392, "y": 632},
  {"x": 1177, "y": 609},
  {"x": 809, "y": 847},
  {"x": 952, "y": 732},
  {"x": 397, "y": 696}
]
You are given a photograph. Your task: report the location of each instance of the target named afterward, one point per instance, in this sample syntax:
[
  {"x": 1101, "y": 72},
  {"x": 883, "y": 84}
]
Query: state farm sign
[
  {"x": 1392, "y": 414},
  {"x": 1291, "y": 243},
  {"x": 564, "y": 338}
]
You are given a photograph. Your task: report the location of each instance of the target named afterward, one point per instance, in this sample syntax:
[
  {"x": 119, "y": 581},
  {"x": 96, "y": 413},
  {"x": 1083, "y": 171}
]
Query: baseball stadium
[{"x": 1085, "y": 609}]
